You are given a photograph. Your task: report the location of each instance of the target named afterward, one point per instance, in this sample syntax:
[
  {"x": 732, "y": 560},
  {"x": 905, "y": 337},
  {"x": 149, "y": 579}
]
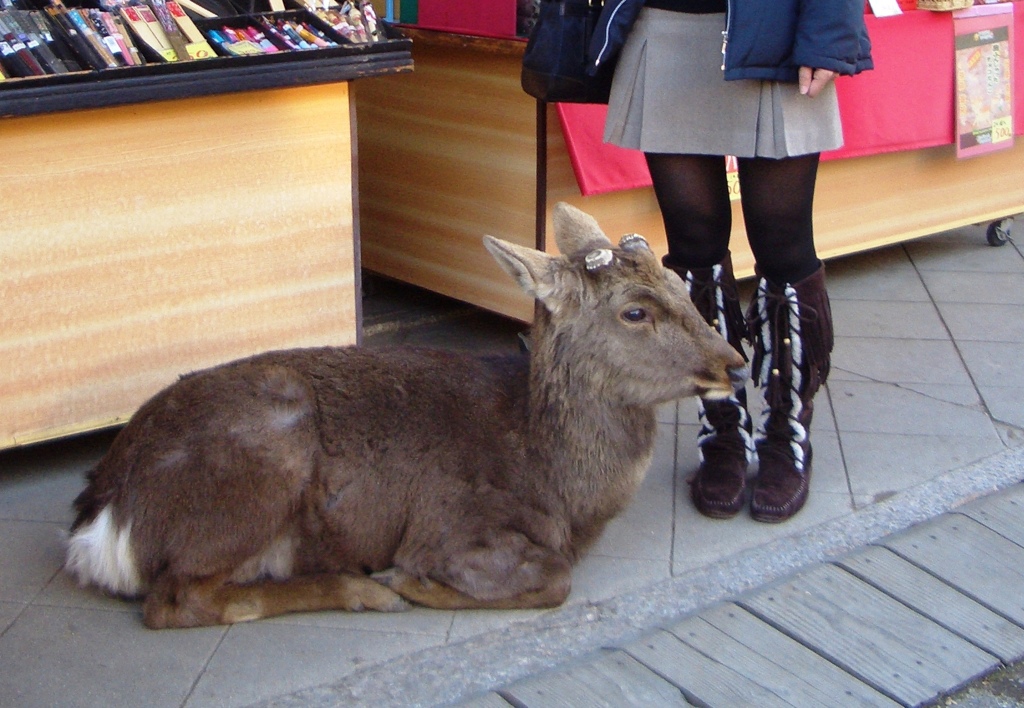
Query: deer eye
[{"x": 635, "y": 315}]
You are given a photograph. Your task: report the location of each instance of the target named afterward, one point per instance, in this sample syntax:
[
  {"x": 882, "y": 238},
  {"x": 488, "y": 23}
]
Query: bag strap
[{"x": 541, "y": 203}]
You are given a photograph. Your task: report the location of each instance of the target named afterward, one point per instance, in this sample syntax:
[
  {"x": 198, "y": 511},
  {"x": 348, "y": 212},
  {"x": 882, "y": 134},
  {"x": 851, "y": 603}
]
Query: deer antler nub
[
  {"x": 631, "y": 242},
  {"x": 601, "y": 258}
]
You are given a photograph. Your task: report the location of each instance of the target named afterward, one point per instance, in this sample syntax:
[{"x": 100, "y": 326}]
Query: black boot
[
  {"x": 724, "y": 442},
  {"x": 791, "y": 328}
]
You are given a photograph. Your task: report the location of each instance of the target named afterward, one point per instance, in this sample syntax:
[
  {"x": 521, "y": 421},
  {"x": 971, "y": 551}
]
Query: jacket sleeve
[
  {"x": 613, "y": 25},
  {"x": 831, "y": 34}
]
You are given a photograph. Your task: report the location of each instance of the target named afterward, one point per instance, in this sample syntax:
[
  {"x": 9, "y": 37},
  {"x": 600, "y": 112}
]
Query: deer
[{"x": 363, "y": 478}]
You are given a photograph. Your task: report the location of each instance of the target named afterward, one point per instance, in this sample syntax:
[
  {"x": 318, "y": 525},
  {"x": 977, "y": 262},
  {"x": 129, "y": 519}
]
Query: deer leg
[
  {"x": 212, "y": 601},
  {"x": 437, "y": 595},
  {"x": 484, "y": 579}
]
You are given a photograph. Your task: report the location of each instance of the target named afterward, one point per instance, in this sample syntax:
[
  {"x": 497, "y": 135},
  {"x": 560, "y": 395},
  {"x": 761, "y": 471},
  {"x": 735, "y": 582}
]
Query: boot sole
[
  {"x": 713, "y": 511},
  {"x": 769, "y": 515}
]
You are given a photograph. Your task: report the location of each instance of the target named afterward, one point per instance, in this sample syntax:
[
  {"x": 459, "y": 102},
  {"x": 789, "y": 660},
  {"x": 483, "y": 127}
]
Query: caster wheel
[{"x": 998, "y": 232}]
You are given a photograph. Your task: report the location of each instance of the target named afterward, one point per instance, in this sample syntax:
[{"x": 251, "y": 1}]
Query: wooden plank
[
  {"x": 1002, "y": 512},
  {"x": 143, "y": 242},
  {"x": 971, "y": 557},
  {"x": 702, "y": 679},
  {"x": 938, "y": 601},
  {"x": 867, "y": 202},
  {"x": 616, "y": 679},
  {"x": 872, "y": 636},
  {"x": 731, "y": 635}
]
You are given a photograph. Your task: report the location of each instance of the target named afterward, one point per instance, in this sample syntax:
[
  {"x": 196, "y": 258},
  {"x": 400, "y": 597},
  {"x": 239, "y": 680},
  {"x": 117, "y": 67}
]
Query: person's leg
[
  {"x": 777, "y": 197},
  {"x": 693, "y": 196},
  {"x": 790, "y": 326}
]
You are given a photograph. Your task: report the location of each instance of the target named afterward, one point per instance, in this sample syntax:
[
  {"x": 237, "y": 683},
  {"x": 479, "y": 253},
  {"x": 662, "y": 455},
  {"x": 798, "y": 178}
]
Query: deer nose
[{"x": 738, "y": 376}]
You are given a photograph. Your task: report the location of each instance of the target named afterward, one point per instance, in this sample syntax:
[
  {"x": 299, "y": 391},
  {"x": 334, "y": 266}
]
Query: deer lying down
[{"x": 348, "y": 478}]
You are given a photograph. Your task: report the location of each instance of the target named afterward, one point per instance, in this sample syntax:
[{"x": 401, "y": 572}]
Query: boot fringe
[
  {"x": 809, "y": 319},
  {"x": 713, "y": 292},
  {"x": 791, "y": 327},
  {"x": 724, "y": 444},
  {"x": 708, "y": 434}
]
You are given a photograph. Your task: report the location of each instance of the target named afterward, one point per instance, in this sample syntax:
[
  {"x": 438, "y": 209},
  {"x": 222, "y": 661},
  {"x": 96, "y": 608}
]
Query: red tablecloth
[{"x": 905, "y": 103}]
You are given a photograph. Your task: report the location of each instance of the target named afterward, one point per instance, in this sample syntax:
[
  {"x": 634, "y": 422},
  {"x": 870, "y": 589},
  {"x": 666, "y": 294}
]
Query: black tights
[{"x": 776, "y": 198}]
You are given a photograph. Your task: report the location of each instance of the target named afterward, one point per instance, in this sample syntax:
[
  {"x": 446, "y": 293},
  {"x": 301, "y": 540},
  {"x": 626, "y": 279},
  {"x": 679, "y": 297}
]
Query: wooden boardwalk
[{"x": 901, "y": 622}]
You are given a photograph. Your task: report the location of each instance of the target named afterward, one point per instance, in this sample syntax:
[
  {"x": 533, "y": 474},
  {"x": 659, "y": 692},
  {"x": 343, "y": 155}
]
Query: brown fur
[{"x": 281, "y": 482}]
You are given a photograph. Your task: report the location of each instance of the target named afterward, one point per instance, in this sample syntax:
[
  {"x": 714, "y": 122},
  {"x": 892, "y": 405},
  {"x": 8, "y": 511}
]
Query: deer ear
[
  {"x": 535, "y": 271},
  {"x": 576, "y": 230}
]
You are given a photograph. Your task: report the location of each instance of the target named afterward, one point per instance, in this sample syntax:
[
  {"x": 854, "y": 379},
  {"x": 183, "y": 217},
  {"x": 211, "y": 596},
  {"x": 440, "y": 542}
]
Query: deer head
[{"x": 635, "y": 336}]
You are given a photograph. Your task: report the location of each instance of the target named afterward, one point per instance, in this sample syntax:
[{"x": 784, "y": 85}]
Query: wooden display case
[{"x": 154, "y": 225}]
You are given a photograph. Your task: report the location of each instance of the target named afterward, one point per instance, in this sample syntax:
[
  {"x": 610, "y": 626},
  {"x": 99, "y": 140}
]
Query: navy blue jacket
[{"x": 765, "y": 39}]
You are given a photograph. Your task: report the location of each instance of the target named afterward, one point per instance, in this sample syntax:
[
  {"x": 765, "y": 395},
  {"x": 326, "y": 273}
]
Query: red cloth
[
  {"x": 599, "y": 166},
  {"x": 905, "y": 103}
]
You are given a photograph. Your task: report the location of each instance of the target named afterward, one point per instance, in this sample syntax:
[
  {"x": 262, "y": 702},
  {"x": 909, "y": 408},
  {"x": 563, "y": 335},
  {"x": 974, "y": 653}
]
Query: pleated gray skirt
[{"x": 669, "y": 96}]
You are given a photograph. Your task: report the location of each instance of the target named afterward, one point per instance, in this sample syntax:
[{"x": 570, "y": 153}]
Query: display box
[
  {"x": 157, "y": 67},
  {"x": 173, "y": 80},
  {"x": 492, "y": 18},
  {"x": 285, "y": 45}
]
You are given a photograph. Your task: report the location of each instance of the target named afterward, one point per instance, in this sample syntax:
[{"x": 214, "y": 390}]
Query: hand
[{"x": 812, "y": 81}]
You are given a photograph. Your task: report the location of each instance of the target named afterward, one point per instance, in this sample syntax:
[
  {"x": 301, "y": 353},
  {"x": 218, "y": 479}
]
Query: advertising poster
[{"x": 984, "y": 79}]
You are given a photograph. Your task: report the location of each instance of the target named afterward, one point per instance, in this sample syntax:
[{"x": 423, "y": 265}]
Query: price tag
[
  {"x": 885, "y": 8},
  {"x": 200, "y": 50},
  {"x": 1002, "y": 129}
]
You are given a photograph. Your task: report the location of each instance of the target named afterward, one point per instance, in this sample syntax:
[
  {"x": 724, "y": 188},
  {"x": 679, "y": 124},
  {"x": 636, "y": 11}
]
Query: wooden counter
[
  {"x": 446, "y": 155},
  {"x": 450, "y": 153},
  {"x": 144, "y": 241}
]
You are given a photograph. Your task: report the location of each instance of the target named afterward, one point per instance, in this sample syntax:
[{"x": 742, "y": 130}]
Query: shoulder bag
[{"x": 555, "y": 61}]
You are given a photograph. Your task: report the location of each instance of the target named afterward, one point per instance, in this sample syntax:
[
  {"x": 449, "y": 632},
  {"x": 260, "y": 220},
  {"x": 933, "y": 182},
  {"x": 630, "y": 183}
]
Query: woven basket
[{"x": 943, "y": 5}]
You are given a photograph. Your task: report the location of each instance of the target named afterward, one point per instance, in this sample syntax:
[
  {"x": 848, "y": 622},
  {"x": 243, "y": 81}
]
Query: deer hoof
[
  {"x": 379, "y": 598},
  {"x": 383, "y": 601},
  {"x": 386, "y": 597}
]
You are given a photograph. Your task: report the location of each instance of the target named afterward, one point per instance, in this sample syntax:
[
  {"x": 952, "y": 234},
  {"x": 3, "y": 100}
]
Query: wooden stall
[
  {"x": 154, "y": 225},
  {"x": 458, "y": 150}
]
